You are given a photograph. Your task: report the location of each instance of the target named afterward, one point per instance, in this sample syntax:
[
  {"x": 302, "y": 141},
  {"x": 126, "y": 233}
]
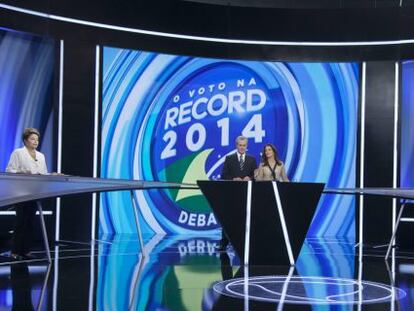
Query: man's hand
[
  {"x": 237, "y": 178},
  {"x": 247, "y": 178}
]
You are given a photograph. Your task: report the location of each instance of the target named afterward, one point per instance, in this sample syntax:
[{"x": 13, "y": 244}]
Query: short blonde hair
[
  {"x": 241, "y": 138},
  {"x": 29, "y": 131}
]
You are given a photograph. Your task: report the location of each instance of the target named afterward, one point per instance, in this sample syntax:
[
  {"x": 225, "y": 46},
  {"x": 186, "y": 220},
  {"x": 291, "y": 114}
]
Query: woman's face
[
  {"x": 269, "y": 152},
  {"x": 32, "y": 141}
]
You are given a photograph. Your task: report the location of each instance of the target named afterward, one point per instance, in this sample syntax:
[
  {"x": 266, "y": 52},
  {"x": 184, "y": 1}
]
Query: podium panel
[
  {"x": 268, "y": 245},
  {"x": 228, "y": 200}
]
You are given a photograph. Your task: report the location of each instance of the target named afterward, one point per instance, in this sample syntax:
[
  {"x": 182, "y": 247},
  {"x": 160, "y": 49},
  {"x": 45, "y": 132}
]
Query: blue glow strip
[
  {"x": 395, "y": 146},
  {"x": 248, "y": 221},
  {"x": 406, "y": 219},
  {"x": 393, "y": 288},
  {"x": 200, "y": 38},
  {"x": 284, "y": 289},
  {"x": 55, "y": 278},
  {"x": 92, "y": 278},
  {"x": 362, "y": 159},
  {"x": 60, "y": 127},
  {"x": 60, "y": 112},
  {"x": 95, "y": 138},
  {"x": 406, "y": 268},
  {"x": 283, "y": 223},
  {"x": 246, "y": 288},
  {"x": 360, "y": 286},
  {"x": 12, "y": 213}
]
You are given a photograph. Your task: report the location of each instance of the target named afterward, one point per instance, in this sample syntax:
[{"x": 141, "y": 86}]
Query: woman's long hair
[{"x": 264, "y": 158}]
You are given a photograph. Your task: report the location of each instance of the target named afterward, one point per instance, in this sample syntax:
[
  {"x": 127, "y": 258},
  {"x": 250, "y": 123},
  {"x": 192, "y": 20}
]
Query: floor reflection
[
  {"x": 179, "y": 273},
  {"x": 23, "y": 286},
  {"x": 176, "y": 275}
]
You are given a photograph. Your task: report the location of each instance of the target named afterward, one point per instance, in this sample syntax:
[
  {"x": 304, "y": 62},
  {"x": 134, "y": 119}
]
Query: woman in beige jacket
[{"x": 271, "y": 167}]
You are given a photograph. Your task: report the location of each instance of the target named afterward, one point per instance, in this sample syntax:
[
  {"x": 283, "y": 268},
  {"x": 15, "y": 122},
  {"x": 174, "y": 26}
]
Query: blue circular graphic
[
  {"x": 175, "y": 118},
  {"x": 201, "y": 118}
]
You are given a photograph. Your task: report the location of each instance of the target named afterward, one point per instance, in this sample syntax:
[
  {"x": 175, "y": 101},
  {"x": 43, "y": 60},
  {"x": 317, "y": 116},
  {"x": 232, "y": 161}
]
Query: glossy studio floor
[{"x": 189, "y": 273}]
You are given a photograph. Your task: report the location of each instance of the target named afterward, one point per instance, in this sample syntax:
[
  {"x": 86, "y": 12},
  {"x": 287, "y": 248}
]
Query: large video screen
[
  {"x": 175, "y": 118},
  {"x": 26, "y": 92},
  {"x": 407, "y": 125}
]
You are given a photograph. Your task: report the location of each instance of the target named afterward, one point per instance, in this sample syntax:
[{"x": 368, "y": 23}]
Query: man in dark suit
[{"x": 237, "y": 166}]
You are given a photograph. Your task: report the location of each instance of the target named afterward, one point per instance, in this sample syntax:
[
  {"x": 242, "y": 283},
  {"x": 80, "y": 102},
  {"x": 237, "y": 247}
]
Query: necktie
[{"x": 241, "y": 163}]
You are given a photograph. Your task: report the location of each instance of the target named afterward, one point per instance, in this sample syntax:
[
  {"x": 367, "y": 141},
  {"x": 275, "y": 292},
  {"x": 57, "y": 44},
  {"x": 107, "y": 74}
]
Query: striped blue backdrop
[
  {"x": 311, "y": 114},
  {"x": 407, "y": 125},
  {"x": 26, "y": 91}
]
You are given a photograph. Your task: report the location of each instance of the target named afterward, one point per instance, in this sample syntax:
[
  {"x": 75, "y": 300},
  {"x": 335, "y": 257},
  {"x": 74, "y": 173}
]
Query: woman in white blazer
[{"x": 25, "y": 160}]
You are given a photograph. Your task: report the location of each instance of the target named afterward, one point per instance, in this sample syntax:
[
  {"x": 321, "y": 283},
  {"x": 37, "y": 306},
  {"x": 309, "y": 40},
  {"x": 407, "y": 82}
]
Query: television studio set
[{"x": 207, "y": 155}]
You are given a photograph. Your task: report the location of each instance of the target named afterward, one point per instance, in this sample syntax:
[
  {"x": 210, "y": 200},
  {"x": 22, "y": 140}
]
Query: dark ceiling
[
  {"x": 309, "y": 4},
  {"x": 274, "y": 20},
  {"x": 328, "y": 21}
]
